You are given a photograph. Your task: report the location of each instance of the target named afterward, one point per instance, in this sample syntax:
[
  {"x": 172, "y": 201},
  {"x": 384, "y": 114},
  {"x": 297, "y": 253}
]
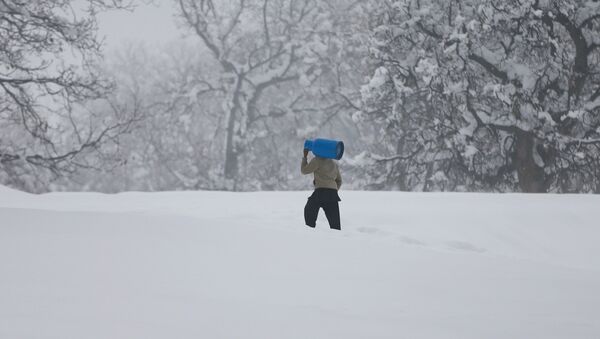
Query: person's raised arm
[{"x": 308, "y": 167}]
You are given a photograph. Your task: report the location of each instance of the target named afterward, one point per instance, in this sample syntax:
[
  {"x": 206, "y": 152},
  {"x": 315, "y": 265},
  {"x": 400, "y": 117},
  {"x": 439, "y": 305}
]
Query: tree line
[{"x": 428, "y": 95}]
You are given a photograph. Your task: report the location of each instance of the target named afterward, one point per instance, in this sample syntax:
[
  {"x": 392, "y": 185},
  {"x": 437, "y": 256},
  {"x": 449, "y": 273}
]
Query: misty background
[{"x": 429, "y": 95}]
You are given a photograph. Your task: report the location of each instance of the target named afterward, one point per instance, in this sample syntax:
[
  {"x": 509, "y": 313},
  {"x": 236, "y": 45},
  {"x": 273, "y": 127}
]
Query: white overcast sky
[{"x": 150, "y": 23}]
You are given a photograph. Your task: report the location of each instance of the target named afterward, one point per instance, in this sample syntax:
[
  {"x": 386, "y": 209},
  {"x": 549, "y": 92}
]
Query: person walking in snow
[{"x": 327, "y": 181}]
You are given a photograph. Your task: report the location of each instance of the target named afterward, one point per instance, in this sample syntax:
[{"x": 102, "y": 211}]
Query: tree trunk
[
  {"x": 532, "y": 178},
  {"x": 231, "y": 153}
]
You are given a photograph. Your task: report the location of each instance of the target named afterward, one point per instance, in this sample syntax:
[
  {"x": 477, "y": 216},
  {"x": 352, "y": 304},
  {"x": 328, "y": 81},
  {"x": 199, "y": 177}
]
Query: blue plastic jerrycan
[{"x": 325, "y": 148}]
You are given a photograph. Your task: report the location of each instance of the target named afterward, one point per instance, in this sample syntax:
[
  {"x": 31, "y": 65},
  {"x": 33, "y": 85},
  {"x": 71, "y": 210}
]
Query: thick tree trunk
[
  {"x": 231, "y": 153},
  {"x": 231, "y": 160},
  {"x": 532, "y": 178}
]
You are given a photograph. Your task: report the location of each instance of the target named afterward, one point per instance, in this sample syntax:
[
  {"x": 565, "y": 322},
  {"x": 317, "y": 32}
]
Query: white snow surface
[{"x": 243, "y": 265}]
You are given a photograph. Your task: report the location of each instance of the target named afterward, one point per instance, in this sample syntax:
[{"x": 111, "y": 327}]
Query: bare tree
[
  {"x": 48, "y": 72},
  {"x": 261, "y": 47}
]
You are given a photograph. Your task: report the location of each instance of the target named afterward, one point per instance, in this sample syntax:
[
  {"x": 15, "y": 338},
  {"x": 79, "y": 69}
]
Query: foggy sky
[{"x": 149, "y": 23}]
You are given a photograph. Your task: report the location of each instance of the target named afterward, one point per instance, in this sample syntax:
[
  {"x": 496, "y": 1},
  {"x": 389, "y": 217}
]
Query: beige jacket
[{"x": 326, "y": 172}]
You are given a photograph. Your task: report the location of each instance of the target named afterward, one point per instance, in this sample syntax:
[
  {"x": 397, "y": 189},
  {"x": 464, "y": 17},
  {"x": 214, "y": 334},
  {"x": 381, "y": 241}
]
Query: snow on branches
[
  {"x": 48, "y": 50},
  {"x": 507, "y": 90}
]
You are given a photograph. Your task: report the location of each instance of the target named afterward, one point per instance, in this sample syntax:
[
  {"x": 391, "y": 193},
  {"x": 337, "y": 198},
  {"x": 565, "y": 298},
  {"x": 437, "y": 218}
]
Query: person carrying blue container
[{"x": 327, "y": 180}]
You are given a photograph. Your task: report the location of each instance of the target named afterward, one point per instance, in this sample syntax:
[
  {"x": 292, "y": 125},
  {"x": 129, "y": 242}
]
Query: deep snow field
[{"x": 243, "y": 265}]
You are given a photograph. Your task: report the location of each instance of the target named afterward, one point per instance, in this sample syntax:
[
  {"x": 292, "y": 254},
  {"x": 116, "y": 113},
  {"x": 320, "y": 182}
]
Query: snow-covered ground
[{"x": 243, "y": 265}]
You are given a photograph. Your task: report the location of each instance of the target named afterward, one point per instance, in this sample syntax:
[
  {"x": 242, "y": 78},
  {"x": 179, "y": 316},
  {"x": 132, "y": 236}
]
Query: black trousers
[{"x": 327, "y": 199}]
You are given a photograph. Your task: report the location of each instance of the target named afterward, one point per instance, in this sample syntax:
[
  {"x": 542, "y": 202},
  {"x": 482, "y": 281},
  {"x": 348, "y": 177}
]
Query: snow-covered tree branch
[
  {"x": 48, "y": 71},
  {"x": 509, "y": 91}
]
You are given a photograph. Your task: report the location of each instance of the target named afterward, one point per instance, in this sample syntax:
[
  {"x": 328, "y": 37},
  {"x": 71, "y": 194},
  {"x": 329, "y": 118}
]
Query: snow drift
[{"x": 242, "y": 265}]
